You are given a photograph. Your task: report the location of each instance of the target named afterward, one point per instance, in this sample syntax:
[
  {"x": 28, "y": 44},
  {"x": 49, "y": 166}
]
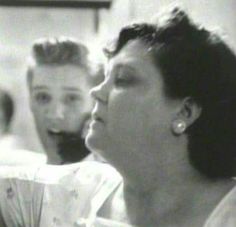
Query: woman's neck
[
  {"x": 167, "y": 191},
  {"x": 186, "y": 204}
]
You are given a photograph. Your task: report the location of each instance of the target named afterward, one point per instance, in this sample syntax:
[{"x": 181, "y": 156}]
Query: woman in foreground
[{"x": 165, "y": 119}]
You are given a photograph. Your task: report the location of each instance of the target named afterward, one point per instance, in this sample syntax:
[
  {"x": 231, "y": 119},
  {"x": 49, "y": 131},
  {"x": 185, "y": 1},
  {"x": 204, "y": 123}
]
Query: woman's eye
[
  {"x": 72, "y": 98},
  {"x": 42, "y": 98},
  {"x": 123, "y": 80}
]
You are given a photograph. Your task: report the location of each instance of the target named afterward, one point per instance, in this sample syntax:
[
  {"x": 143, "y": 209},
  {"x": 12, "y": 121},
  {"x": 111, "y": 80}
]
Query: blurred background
[{"x": 19, "y": 26}]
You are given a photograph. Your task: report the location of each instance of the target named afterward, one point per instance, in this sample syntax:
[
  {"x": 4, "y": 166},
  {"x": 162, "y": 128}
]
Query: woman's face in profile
[{"x": 132, "y": 115}]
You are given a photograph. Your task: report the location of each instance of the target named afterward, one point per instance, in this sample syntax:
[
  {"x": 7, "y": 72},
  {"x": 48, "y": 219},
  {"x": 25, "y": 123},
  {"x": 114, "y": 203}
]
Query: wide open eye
[
  {"x": 42, "y": 98},
  {"x": 72, "y": 98}
]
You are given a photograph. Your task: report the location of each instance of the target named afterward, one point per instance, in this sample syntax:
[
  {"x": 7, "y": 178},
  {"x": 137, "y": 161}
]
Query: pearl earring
[{"x": 179, "y": 126}]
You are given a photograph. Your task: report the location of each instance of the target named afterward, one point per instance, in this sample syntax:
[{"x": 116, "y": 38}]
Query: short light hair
[{"x": 62, "y": 51}]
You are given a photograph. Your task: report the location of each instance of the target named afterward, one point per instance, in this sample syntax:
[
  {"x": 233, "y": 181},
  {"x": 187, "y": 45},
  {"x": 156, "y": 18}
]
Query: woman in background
[
  {"x": 11, "y": 152},
  {"x": 165, "y": 119}
]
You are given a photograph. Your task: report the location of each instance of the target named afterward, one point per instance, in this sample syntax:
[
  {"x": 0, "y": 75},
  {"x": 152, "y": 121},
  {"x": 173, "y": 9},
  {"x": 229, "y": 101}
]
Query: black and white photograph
[{"x": 117, "y": 113}]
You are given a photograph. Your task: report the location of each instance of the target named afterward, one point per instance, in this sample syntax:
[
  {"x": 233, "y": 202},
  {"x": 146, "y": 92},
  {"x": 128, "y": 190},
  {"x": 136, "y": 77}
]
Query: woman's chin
[{"x": 93, "y": 141}]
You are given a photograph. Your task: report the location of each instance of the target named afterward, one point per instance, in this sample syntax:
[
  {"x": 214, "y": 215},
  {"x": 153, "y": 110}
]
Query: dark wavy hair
[{"x": 196, "y": 63}]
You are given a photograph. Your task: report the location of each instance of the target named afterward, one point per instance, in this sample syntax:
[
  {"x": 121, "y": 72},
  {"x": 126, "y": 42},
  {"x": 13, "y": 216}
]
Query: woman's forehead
[
  {"x": 133, "y": 48},
  {"x": 132, "y": 53}
]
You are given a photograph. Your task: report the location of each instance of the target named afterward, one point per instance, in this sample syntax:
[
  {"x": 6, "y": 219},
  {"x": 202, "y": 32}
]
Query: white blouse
[
  {"x": 71, "y": 196},
  {"x": 66, "y": 196}
]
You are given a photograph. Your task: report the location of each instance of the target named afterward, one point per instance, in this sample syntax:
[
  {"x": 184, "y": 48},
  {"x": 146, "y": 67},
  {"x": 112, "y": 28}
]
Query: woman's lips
[{"x": 96, "y": 117}]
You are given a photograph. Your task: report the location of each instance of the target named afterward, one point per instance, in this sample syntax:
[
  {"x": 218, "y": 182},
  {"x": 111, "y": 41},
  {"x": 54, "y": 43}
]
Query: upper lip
[{"x": 54, "y": 131}]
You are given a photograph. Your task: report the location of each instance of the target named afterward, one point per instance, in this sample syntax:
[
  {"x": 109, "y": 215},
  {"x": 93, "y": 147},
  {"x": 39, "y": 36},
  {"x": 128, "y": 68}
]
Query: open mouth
[
  {"x": 54, "y": 130},
  {"x": 69, "y": 145},
  {"x": 55, "y": 134}
]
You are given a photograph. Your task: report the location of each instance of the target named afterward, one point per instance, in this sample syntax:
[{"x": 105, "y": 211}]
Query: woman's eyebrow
[{"x": 122, "y": 67}]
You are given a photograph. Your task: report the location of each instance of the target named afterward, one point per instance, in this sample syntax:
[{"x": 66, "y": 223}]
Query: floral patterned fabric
[
  {"x": 48, "y": 196},
  {"x": 71, "y": 195}
]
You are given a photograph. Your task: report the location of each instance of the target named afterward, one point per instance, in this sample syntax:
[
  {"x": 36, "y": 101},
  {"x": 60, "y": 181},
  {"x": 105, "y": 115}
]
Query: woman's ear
[{"x": 188, "y": 113}]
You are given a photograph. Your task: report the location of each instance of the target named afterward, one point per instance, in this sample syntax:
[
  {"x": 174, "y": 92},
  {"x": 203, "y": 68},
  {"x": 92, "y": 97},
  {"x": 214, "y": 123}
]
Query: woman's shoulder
[
  {"x": 21, "y": 157},
  {"x": 225, "y": 213},
  {"x": 76, "y": 185},
  {"x": 79, "y": 173},
  {"x": 21, "y": 172}
]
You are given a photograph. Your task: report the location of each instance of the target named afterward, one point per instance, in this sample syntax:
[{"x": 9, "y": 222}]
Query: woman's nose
[{"x": 100, "y": 92}]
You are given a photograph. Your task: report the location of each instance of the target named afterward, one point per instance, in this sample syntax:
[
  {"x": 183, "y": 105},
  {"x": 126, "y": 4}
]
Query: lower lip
[{"x": 55, "y": 136}]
